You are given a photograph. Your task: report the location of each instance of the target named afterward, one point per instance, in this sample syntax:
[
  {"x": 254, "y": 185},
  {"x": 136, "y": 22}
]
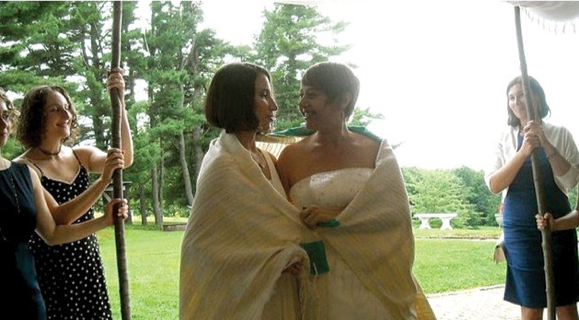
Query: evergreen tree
[{"x": 287, "y": 45}]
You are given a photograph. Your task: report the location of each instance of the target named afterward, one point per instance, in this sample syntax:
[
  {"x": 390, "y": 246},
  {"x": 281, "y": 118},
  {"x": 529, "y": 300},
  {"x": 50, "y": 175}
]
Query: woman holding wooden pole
[{"x": 512, "y": 175}]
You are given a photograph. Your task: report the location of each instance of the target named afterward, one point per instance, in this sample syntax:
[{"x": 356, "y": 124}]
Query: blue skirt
[{"x": 525, "y": 283}]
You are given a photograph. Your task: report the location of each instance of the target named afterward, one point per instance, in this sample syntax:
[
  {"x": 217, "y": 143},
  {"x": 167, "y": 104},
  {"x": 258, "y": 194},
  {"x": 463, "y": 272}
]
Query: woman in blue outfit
[
  {"x": 512, "y": 175},
  {"x": 23, "y": 210}
]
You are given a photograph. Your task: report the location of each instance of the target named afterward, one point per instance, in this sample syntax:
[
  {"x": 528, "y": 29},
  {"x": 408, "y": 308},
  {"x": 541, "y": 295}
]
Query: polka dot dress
[{"x": 71, "y": 275}]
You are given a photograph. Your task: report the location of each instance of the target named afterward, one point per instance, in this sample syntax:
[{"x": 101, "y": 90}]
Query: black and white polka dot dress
[{"x": 71, "y": 276}]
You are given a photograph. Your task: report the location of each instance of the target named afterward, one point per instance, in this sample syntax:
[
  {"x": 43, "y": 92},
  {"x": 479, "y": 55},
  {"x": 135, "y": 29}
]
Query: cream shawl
[{"x": 242, "y": 234}]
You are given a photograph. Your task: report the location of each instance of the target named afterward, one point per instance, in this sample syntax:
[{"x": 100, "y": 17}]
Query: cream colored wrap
[
  {"x": 375, "y": 239},
  {"x": 242, "y": 234}
]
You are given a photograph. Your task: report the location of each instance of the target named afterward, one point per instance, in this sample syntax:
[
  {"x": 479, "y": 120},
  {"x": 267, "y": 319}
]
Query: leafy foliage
[{"x": 461, "y": 191}]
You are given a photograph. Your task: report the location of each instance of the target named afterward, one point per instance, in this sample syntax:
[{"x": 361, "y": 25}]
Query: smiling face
[
  {"x": 265, "y": 105},
  {"x": 315, "y": 106},
  {"x": 57, "y": 116},
  {"x": 5, "y": 123},
  {"x": 518, "y": 102}
]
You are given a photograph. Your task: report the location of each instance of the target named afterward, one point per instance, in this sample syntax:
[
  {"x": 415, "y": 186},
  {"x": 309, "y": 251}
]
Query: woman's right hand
[
  {"x": 313, "y": 215},
  {"x": 115, "y": 160}
]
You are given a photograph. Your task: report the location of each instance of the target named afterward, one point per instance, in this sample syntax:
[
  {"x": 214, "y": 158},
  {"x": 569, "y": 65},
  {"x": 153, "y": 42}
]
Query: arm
[
  {"x": 503, "y": 177},
  {"x": 68, "y": 212},
  {"x": 559, "y": 164},
  {"x": 282, "y": 165},
  {"x": 54, "y": 234},
  {"x": 566, "y": 222},
  {"x": 115, "y": 80}
]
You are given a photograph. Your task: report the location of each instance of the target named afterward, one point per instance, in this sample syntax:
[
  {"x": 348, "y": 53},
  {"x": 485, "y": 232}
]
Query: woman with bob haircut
[
  {"x": 511, "y": 174},
  {"x": 241, "y": 243},
  {"x": 71, "y": 276}
]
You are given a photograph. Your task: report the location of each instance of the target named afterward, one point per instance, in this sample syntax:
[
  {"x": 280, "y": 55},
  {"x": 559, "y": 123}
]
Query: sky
[{"x": 437, "y": 71}]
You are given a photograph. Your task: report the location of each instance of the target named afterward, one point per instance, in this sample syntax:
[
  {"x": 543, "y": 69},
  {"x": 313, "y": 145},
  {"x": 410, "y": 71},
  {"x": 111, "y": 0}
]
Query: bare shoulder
[
  {"x": 86, "y": 154},
  {"x": 293, "y": 151},
  {"x": 86, "y": 151},
  {"x": 34, "y": 177},
  {"x": 366, "y": 143},
  {"x": 33, "y": 169}
]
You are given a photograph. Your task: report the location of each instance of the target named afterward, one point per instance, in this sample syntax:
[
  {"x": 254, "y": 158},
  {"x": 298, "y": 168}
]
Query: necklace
[{"x": 50, "y": 154}]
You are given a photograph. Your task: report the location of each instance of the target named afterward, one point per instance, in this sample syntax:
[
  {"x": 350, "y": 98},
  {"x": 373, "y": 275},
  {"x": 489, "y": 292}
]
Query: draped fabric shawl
[{"x": 242, "y": 234}]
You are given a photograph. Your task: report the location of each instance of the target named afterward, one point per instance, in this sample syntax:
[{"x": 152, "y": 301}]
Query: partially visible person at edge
[
  {"x": 71, "y": 276},
  {"x": 23, "y": 210},
  {"x": 511, "y": 174},
  {"x": 240, "y": 252},
  {"x": 353, "y": 181},
  {"x": 566, "y": 222}
]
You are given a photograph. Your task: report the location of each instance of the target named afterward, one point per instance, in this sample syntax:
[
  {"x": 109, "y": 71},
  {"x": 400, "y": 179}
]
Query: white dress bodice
[
  {"x": 342, "y": 296},
  {"x": 333, "y": 189}
]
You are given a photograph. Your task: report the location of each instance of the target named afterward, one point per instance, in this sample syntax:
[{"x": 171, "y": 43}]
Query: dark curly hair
[
  {"x": 334, "y": 80},
  {"x": 536, "y": 88},
  {"x": 31, "y": 126}
]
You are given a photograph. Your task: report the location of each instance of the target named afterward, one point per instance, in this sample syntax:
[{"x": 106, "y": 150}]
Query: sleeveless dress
[
  {"x": 525, "y": 283},
  {"x": 71, "y": 275},
  {"x": 342, "y": 296},
  {"x": 18, "y": 281},
  {"x": 284, "y": 303}
]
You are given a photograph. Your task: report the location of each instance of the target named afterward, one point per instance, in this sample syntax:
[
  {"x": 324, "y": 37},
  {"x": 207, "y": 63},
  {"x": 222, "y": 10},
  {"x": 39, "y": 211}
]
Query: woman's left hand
[
  {"x": 115, "y": 80},
  {"x": 545, "y": 222},
  {"x": 121, "y": 213},
  {"x": 313, "y": 215},
  {"x": 536, "y": 129}
]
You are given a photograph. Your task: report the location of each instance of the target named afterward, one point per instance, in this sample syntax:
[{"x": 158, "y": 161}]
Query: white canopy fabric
[{"x": 553, "y": 10}]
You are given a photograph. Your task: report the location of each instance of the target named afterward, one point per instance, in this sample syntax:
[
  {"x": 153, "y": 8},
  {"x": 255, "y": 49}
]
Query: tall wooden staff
[
  {"x": 533, "y": 113},
  {"x": 118, "y": 174}
]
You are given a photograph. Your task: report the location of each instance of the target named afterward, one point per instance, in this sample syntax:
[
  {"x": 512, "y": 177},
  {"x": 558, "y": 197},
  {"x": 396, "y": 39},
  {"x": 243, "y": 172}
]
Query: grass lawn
[{"x": 441, "y": 264}]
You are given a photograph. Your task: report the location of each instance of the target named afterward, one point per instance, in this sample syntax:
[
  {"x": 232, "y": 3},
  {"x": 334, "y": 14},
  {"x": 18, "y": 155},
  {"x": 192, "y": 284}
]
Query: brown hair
[
  {"x": 536, "y": 88},
  {"x": 31, "y": 125},
  {"x": 230, "y": 100},
  {"x": 9, "y": 106},
  {"x": 334, "y": 80}
]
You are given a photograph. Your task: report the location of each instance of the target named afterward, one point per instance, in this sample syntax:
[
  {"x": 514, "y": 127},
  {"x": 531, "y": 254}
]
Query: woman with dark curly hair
[
  {"x": 24, "y": 210},
  {"x": 71, "y": 276}
]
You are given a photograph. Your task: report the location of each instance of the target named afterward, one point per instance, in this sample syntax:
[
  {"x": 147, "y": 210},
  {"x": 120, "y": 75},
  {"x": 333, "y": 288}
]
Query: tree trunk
[
  {"x": 198, "y": 150},
  {"x": 161, "y": 176},
  {"x": 143, "y": 204},
  {"x": 185, "y": 169},
  {"x": 155, "y": 186}
]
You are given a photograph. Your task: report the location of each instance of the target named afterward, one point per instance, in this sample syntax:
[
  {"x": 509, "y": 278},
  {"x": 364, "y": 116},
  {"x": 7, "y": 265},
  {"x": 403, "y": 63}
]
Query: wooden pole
[
  {"x": 118, "y": 174},
  {"x": 533, "y": 113}
]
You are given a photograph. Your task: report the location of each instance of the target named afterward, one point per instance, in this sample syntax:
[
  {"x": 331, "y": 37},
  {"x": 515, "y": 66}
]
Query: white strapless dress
[{"x": 341, "y": 295}]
